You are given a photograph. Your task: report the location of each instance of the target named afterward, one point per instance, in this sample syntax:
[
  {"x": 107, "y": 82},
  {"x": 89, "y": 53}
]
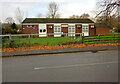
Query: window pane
[
  {"x": 57, "y": 28},
  {"x": 44, "y": 30},
  {"x": 40, "y": 30}
]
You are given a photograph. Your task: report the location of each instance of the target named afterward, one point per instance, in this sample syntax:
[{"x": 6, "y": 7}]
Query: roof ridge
[{"x": 57, "y": 20}]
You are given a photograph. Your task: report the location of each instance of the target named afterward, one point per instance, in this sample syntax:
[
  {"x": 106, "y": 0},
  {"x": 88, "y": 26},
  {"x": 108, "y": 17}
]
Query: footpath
[{"x": 56, "y": 51}]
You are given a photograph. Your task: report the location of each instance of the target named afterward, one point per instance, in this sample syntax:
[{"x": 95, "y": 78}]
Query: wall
[
  {"x": 92, "y": 31},
  {"x": 78, "y": 29},
  {"x": 50, "y": 30},
  {"x": 64, "y": 29},
  {"x": 27, "y": 30},
  {"x": 102, "y": 31}
]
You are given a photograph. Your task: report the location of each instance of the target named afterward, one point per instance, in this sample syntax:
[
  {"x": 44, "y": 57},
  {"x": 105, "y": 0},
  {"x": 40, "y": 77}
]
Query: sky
[{"x": 32, "y": 8}]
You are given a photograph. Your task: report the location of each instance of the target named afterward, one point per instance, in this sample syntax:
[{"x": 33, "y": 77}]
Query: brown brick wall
[
  {"x": 50, "y": 30},
  {"x": 78, "y": 29},
  {"x": 102, "y": 31},
  {"x": 64, "y": 29},
  {"x": 27, "y": 30},
  {"x": 92, "y": 31}
]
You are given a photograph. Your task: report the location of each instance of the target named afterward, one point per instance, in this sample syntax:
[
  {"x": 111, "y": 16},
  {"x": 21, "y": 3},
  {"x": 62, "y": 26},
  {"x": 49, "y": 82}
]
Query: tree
[
  {"x": 84, "y": 16},
  {"x": 74, "y": 16},
  {"x": 19, "y": 15},
  {"x": 53, "y": 10},
  {"x": 14, "y": 26},
  {"x": 9, "y": 20},
  {"x": 107, "y": 13}
]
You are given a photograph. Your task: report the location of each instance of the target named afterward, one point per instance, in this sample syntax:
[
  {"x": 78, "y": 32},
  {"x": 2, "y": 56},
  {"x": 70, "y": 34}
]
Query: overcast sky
[{"x": 32, "y": 8}]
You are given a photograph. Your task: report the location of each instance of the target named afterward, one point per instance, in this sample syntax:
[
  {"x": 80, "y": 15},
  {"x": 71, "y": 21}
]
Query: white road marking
[{"x": 75, "y": 65}]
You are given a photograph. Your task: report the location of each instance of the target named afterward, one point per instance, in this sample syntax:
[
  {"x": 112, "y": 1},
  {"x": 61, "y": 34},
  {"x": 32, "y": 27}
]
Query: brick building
[
  {"x": 60, "y": 25},
  {"x": 102, "y": 29}
]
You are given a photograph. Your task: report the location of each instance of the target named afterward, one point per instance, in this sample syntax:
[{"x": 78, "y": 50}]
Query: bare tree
[
  {"x": 53, "y": 10},
  {"x": 74, "y": 16},
  {"x": 9, "y": 20},
  {"x": 19, "y": 14},
  {"x": 84, "y": 16},
  {"x": 107, "y": 7},
  {"x": 107, "y": 10}
]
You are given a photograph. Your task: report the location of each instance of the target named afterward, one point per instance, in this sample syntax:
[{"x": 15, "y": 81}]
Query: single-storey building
[
  {"x": 102, "y": 29},
  {"x": 58, "y": 25}
]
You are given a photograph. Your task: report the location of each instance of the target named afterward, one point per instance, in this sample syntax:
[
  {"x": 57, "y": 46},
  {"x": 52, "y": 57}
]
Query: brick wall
[
  {"x": 50, "y": 30},
  {"x": 64, "y": 29},
  {"x": 27, "y": 30},
  {"x": 102, "y": 31},
  {"x": 78, "y": 29},
  {"x": 92, "y": 31}
]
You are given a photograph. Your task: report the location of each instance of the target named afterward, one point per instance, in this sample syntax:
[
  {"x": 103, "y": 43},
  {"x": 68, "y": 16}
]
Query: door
[
  {"x": 42, "y": 30},
  {"x": 71, "y": 29},
  {"x": 85, "y": 29},
  {"x": 57, "y": 30}
]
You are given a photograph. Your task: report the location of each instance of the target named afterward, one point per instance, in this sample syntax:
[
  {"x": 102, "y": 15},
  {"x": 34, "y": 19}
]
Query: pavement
[{"x": 56, "y": 51}]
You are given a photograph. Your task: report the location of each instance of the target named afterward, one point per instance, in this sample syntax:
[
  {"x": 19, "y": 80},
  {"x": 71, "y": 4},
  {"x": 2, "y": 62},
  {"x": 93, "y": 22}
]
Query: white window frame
[
  {"x": 42, "y": 27},
  {"x": 71, "y": 29},
  {"x": 42, "y": 30},
  {"x": 85, "y": 29},
  {"x": 57, "y": 28}
]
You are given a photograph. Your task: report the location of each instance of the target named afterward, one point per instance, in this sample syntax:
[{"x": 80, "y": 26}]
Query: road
[{"x": 100, "y": 66}]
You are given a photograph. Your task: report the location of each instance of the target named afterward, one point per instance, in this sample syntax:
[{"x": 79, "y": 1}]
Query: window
[
  {"x": 64, "y": 25},
  {"x": 71, "y": 29},
  {"x": 78, "y": 26},
  {"x": 84, "y": 28},
  {"x": 57, "y": 28},
  {"x": 30, "y": 26},
  {"x": 42, "y": 30},
  {"x": 50, "y": 27},
  {"x": 92, "y": 26}
]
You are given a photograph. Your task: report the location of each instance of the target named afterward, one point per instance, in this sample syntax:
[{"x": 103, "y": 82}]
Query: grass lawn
[{"x": 20, "y": 41}]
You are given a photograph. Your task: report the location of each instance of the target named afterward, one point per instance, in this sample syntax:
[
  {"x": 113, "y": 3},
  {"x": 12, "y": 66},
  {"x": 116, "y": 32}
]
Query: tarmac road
[{"x": 101, "y": 66}]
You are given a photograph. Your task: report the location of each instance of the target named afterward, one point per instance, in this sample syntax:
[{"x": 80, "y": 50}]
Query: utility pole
[{"x": 118, "y": 11}]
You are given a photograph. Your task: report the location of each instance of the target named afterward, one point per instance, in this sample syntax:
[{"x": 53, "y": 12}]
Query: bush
[{"x": 10, "y": 44}]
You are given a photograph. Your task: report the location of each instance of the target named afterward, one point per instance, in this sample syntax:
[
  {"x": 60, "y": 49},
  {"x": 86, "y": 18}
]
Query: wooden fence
[
  {"x": 112, "y": 38},
  {"x": 18, "y": 40}
]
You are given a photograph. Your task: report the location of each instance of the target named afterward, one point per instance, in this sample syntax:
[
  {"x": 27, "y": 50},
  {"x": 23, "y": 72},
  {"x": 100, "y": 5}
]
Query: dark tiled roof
[
  {"x": 101, "y": 25},
  {"x": 58, "y": 20}
]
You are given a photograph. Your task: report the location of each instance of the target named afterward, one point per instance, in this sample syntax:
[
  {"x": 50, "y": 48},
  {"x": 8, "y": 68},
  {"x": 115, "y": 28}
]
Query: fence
[
  {"x": 112, "y": 38},
  {"x": 21, "y": 40}
]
